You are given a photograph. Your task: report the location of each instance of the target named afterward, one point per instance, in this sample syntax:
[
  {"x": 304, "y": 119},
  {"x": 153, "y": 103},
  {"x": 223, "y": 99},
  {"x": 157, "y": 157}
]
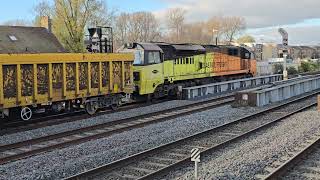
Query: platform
[
  {"x": 228, "y": 86},
  {"x": 265, "y": 96}
]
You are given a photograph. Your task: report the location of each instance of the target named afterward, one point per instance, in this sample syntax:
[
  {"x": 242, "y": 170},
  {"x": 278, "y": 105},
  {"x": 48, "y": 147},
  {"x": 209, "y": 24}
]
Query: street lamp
[{"x": 215, "y": 38}]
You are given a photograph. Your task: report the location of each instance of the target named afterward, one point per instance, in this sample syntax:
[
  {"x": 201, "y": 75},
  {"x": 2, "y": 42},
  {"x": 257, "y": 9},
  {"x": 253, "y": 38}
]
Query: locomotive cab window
[
  {"x": 138, "y": 58},
  {"x": 153, "y": 57}
]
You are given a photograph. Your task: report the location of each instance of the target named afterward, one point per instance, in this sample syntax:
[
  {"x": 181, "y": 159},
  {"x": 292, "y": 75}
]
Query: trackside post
[{"x": 195, "y": 157}]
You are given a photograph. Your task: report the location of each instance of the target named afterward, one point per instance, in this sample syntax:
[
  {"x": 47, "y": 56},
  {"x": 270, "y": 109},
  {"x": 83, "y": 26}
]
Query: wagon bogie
[{"x": 113, "y": 101}]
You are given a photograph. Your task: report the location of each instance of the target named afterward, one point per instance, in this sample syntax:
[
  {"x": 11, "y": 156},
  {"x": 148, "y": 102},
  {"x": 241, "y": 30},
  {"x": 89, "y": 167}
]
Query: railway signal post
[
  {"x": 195, "y": 157},
  {"x": 285, "y": 37}
]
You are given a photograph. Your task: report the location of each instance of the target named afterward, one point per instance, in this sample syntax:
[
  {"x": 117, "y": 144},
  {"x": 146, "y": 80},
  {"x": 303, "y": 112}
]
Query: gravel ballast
[
  {"x": 45, "y": 131},
  {"x": 72, "y": 160},
  {"x": 247, "y": 158},
  {"x": 69, "y": 161}
]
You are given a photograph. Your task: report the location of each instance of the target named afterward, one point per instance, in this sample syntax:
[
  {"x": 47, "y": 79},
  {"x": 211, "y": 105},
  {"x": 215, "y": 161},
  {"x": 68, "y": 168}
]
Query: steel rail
[
  {"x": 130, "y": 163},
  {"x": 15, "y": 151},
  {"x": 56, "y": 119},
  {"x": 297, "y": 158}
]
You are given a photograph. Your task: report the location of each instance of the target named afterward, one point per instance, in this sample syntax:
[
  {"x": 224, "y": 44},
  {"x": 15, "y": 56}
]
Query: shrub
[
  {"x": 292, "y": 71},
  {"x": 309, "y": 67},
  {"x": 278, "y": 68},
  {"x": 305, "y": 67}
]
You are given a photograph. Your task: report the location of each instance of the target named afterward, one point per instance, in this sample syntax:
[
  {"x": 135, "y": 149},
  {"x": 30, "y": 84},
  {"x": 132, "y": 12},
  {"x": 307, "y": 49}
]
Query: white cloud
[
  {"x": 298, "y": 35},
  {"x": 258, "y": 13},
  {"x": 263, "y": 17}
]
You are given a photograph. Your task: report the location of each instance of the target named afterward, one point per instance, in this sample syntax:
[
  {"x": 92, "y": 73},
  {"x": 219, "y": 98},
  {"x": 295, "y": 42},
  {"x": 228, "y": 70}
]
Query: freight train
[
  {"x": 55, "y": 82},
  {"x": 163, "y": 69}
]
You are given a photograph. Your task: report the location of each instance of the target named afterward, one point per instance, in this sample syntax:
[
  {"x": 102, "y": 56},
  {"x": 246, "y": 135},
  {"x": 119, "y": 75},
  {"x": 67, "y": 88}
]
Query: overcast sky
[
  {"x": 258, "y": 13},
  {"x": 300, "y": 18},
  {"x": 264, "y": 17}
]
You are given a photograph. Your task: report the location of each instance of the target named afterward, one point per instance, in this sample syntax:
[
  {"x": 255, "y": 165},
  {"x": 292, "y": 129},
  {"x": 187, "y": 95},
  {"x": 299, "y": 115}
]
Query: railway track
[
  {"x": 51, "y": 120},
  {"x": 159, "y": 161},
  {"x": 302, "y": 163},
  {"x": 11, "y": 152}
]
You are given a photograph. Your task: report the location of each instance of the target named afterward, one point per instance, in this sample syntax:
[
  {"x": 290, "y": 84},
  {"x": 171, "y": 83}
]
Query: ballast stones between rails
[
  {"x": 161, "y": 160},
  {"x": 58, "y": 119},
  {"x": 19, "y": 150},
  {"x": 303, "y": 162},
  {"x": 14, "y": 137}
]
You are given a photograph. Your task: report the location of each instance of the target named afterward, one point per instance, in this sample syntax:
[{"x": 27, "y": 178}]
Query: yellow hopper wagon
[{"x": 32, "y": 83}]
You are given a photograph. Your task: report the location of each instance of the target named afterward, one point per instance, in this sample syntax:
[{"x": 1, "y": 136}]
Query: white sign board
[{"x": 195, "y": 155}]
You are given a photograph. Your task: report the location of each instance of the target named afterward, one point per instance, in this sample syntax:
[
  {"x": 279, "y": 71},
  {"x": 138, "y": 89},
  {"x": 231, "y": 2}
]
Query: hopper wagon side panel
[{"x": 44, "y": 78}]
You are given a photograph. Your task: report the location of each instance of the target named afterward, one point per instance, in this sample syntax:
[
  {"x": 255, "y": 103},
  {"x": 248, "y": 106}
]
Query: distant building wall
[
  {"x": 46, "y": 22},
  {"x": 265, "y": 51}
]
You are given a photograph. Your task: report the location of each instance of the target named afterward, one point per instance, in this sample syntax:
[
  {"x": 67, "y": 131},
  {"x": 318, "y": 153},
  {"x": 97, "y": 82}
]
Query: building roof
[{"x": 19, "y": 39}]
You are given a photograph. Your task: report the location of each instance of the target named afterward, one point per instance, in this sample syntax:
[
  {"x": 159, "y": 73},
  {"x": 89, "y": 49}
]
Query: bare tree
[
  {"x": 232, "y": 26},
  {"x": 122, "y": 29},
  {"x": 44, "y": 8},
  {"x": 225, "y": 29},
  {"x": 103, "y": 16},
  {"x": 136, "y": 27},
  {"x": 222, "y": 28},
  {"x": 215, "y": 28},
  {"x": 196, "y": 33},
  {"x": 149, "y": 26},
  {"x": 176, "y": 21}
]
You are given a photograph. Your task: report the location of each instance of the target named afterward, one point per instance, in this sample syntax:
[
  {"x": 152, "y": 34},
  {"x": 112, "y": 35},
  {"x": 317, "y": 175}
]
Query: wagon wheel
[
  {"x": 26, "y": 114},
  {"x": 114, "y": 107},
  {"x": 116, "y": 103},
  {"x": 91, "y": 108}
]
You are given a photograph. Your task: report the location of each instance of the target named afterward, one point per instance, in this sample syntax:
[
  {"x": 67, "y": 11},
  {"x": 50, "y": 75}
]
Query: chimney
[{"x": 45, "y": 22}]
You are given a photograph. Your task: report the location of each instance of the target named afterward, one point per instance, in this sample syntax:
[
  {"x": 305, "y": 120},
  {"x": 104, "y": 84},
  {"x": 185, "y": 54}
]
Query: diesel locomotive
[{"x": 163, "y": 69}]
